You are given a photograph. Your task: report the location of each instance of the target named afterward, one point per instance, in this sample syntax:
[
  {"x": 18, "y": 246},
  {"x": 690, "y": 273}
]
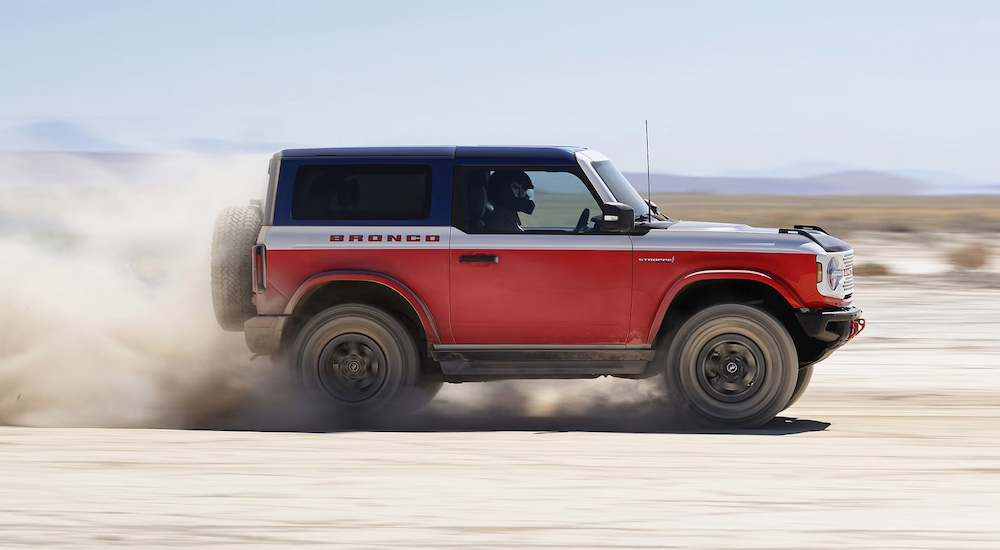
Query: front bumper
[
  {"x": 834, "y": 326},
  {"x": 830, "y": 329},
  {"x": 263, "y": 333}
]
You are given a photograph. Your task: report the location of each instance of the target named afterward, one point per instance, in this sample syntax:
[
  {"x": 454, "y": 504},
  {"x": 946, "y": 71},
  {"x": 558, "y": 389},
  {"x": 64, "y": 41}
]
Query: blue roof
[
  {"x": 479, "y": 153},
  {"x": 370, "y": 152},
  {"x": 544, "y": 154}
]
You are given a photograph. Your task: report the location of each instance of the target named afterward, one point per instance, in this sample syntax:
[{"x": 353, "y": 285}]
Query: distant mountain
[
  {"x": 48, "y": 168},
  {"x": 943, "y": 183},
  {"x": 857, "y": 182},
  {"x": 64, "y": 136},
  {"x": 62, "y": 168},
  {"x": 56, "y": 135},
  {"x": 797, "y": 170},
  {"x": 223, "y": 147},
  {"x": 933, "y": 182}
]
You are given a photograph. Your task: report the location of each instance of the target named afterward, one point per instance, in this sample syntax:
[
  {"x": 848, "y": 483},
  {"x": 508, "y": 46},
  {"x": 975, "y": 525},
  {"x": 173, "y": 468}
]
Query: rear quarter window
[{"x": 362, "y": 192}]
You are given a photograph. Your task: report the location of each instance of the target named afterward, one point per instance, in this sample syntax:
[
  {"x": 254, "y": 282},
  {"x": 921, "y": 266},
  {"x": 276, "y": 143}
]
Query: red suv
[{"x": 380, "y": 273}]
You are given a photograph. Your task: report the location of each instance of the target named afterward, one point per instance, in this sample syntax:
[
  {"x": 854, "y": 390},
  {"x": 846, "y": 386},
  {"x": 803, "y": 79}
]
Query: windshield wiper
[{"x": 655, "y": 217}]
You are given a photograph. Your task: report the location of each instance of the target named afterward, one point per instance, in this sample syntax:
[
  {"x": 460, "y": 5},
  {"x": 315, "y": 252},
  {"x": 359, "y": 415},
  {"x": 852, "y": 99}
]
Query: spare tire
[{"x": 236, "y": 231}]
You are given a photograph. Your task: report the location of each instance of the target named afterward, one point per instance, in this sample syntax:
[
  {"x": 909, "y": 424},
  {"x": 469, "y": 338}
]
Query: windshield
[{"x": 621, "y": 188}]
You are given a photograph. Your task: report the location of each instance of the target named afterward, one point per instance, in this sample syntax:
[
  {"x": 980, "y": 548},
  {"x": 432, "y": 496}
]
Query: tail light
[{"x": 259, "y": 264}]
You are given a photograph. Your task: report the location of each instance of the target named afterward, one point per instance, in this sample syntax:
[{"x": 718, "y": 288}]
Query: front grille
[{"x": 849, "y": 267}]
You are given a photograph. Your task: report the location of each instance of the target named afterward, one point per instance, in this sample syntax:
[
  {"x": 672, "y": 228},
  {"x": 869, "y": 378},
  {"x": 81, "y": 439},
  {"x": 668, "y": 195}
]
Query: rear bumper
[
  {"x": 834, "y": 326},
  {"x": 263, "y": 333}
]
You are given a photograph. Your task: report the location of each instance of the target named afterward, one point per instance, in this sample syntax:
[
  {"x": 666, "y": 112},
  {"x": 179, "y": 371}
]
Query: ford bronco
[{"x": 378, "y": 274}]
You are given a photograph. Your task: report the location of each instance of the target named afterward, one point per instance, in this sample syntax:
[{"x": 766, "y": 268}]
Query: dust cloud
[
  {"x": 105, "y": 308},
  {"x": 106, "y": 314},
  {"x": 602, "y": 404}
]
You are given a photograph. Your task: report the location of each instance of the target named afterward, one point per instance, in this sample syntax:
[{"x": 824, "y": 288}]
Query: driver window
[{"x": 535, "y": 200}]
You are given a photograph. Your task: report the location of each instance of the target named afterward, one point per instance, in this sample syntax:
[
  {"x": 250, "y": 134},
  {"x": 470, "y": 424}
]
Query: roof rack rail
[
  {"x": 802, "y": 231},
  {"x": 812, "y": 227}
]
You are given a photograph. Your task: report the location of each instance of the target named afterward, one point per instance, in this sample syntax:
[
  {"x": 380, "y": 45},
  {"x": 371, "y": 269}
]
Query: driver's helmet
[{"x": 511, "y": 189}]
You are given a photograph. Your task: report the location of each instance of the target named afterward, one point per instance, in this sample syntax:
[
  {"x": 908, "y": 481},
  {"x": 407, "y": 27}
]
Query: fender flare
[
  {"x": 720, "y": 274},
  {"x": 418, "y": 305}
]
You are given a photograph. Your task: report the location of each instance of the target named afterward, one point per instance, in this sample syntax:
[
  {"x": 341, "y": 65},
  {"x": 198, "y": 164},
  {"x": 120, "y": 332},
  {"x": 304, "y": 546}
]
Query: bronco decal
[{"x": 387, "y": 238}]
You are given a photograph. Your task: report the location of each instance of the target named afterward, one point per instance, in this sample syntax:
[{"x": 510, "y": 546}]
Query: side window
[
  {"x": 515, "y": 200},
  {"x": 362, "y": 192}
]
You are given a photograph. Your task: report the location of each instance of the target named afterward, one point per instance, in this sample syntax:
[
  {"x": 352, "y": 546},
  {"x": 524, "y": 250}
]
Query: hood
[{"x": 712, "y": 236}]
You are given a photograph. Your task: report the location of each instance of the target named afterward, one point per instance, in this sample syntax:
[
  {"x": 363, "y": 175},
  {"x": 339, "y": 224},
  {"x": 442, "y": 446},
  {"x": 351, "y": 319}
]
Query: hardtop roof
[{"x": 533, "y": 152}]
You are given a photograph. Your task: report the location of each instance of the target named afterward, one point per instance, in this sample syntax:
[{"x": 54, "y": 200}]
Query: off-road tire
[
  {"x": 236, "y": 231},
  {"x": 801, "y": 383},
  {"x": 732, "y": 365},
  {"x": 362, "y": 337}
]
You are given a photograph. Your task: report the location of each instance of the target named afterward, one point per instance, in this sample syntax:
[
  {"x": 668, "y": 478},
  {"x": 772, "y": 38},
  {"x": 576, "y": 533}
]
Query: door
[{"x": 548, "y": 277}]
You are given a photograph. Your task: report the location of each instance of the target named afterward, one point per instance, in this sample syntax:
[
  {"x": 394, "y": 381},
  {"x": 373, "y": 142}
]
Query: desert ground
[
  {"x": 127, "y": 419},
  {"x": 894, "y": 446}
]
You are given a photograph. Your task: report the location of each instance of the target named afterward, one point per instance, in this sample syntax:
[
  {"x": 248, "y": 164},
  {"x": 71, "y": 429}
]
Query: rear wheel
[
  {"x": 358, "y": 359},
  {"x": 732, "y": 364}
]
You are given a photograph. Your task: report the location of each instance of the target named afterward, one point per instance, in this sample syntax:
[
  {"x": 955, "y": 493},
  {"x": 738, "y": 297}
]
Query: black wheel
[
  {"x": 732, "y": 364},
  {"x": 801, "y": 383},
  {"x": 358, "y": 359}
]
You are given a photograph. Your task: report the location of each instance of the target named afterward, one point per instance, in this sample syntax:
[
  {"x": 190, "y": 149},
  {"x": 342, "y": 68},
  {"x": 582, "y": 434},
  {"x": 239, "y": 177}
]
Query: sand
[{"x": 895, "y": 445}]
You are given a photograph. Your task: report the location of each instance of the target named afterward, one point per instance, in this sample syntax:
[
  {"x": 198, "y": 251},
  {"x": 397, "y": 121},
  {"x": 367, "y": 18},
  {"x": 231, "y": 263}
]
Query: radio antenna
[{"x": 649, "y": 192}]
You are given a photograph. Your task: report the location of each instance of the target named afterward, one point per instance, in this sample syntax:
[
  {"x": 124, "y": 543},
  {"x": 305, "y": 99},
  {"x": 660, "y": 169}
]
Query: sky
[{"x": 727, "y": 86}]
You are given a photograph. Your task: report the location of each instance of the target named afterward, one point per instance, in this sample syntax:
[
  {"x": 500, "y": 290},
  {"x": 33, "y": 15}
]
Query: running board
[{"x": 542, "y": 363}]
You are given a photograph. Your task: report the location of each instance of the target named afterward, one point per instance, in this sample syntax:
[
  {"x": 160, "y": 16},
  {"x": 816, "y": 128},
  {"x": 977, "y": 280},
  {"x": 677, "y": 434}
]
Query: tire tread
[{"x": 236, "y": 231}]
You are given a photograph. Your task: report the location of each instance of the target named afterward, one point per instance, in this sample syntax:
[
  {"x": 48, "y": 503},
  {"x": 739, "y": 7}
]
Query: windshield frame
[{"x": 616, "y": 184}]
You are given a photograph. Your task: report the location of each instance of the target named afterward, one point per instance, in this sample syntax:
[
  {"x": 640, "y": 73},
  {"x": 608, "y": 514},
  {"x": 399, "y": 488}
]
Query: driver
[{"x": 510, "y": 192}]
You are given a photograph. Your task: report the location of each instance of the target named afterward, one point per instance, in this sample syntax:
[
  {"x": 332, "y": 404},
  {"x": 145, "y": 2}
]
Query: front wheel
[
  {"x": 801, "y": 383},
  {"x": 357, "y": 359},
  {"x": 732, "y": 364}
]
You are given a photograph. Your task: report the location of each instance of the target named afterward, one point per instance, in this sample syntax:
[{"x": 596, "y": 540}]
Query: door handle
[{"x": 479, "y": 259}]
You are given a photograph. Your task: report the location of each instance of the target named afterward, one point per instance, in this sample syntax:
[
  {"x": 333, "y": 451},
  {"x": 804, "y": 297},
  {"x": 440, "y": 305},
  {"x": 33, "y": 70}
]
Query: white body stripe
[
  {"x": 526, "y": 241},
  {"x": 681, "y": 237},
  {"x": 657, "y": 240},
  {"x": 723, "y": 237},
  {"x": 329, "y": 237}
]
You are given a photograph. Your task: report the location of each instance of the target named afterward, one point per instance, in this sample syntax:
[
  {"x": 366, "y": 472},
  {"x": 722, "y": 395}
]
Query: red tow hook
[{"x": 856, "y": 328}]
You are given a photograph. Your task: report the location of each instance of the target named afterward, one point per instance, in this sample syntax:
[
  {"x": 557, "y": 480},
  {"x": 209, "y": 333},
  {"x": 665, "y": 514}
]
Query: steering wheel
[{"x": 581, "y": 224}]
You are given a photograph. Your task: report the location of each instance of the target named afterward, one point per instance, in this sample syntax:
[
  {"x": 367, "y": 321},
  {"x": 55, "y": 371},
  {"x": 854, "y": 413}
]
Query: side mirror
[{"x": 617, "y": 217}]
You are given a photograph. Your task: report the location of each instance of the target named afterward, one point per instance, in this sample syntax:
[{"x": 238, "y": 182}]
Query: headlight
[{"x": 834, "y": 275}]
